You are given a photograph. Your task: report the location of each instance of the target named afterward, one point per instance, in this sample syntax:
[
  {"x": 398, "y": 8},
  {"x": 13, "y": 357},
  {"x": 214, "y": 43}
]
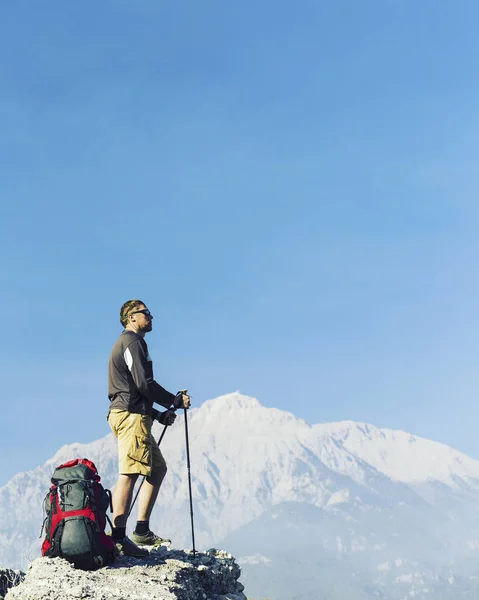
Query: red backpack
[{"x": 76, "y": 507}]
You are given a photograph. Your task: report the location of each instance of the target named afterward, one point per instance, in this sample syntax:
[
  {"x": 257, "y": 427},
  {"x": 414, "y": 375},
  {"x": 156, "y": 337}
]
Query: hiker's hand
[
  {"x": 166, "y": 418},
  {"x": 181, "y": 400}
]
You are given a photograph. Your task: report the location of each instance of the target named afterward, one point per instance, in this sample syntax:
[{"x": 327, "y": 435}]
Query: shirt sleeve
[{"x": 141, "y": 372}]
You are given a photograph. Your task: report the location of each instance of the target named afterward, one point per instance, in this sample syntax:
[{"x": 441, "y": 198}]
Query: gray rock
[{"x": 164, "y": 575}]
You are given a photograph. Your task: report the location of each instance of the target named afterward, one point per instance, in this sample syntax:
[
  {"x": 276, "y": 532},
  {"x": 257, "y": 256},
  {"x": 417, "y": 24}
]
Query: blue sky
[{"x": 290, "y": 187}]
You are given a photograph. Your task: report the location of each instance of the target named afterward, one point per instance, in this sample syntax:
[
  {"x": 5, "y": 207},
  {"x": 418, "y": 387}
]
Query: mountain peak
[{"x": 233, "y": 400}]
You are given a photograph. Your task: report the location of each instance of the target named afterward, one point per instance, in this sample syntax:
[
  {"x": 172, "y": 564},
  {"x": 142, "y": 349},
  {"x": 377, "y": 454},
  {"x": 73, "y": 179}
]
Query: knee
[
  {"x": 126, "y": 481},
  {"x": 157, "y": 475}
]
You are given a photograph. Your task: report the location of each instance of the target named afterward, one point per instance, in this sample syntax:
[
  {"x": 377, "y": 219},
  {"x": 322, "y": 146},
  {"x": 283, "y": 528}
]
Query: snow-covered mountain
[{"x": 389, "y": 507}]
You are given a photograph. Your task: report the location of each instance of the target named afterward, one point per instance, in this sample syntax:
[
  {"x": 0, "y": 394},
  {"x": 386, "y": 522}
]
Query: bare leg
[
  {"x": 149, "y": 493},
  {"x": 122, "y": 495}
]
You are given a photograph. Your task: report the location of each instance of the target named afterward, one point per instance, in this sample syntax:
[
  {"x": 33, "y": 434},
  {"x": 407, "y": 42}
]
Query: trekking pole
[
  {"x": 189, "y": 480},
  {"x": 143, "y": 480}
]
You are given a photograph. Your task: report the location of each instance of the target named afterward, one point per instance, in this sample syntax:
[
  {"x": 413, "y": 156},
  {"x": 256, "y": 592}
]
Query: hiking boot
[
  {"x": 149, "y": 539},
  {"x": 129, "y": 548}
]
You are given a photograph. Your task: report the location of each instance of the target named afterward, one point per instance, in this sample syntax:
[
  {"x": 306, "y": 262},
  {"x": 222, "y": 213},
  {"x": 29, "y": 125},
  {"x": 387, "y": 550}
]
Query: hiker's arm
[{"x": 141, "y": 372}]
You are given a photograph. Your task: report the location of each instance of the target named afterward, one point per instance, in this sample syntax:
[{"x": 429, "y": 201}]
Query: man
[{"x": 132, "y": 391}]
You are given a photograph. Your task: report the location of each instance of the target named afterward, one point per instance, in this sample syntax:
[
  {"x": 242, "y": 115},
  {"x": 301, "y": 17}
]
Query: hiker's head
[{"x": 135, "y": 316}]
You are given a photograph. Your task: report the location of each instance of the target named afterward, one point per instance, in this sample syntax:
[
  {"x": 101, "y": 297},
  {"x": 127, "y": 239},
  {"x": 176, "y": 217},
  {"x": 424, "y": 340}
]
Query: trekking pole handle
[{"x": 178, "y": 395}]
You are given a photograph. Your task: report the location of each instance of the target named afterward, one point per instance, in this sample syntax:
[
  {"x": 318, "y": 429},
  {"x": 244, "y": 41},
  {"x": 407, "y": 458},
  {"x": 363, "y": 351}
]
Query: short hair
[{"x": 127, "y": 308}]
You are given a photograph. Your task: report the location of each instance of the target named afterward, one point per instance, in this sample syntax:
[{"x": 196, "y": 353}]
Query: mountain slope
[{"x": 377, "y": 495}]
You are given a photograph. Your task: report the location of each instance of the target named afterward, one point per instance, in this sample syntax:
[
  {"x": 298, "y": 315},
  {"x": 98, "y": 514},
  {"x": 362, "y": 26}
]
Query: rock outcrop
[{"x": 164, "y": 575}]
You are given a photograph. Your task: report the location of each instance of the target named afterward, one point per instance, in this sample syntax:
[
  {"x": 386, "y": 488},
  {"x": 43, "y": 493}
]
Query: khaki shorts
[{"x": 138, "y": 453}]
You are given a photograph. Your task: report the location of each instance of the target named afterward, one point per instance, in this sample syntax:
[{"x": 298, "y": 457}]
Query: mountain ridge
[
  {"x": 247, "y": 459},
  {"x": 350, "y": 436}
]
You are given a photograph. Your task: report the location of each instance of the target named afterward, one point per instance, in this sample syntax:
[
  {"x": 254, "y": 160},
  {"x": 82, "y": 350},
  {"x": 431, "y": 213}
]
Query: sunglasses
[{"x": 145, "y": 311}]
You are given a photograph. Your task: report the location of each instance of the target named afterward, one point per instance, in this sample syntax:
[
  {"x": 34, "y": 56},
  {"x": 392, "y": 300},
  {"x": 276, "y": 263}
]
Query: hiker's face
[{"x": 142, "y": 319}]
